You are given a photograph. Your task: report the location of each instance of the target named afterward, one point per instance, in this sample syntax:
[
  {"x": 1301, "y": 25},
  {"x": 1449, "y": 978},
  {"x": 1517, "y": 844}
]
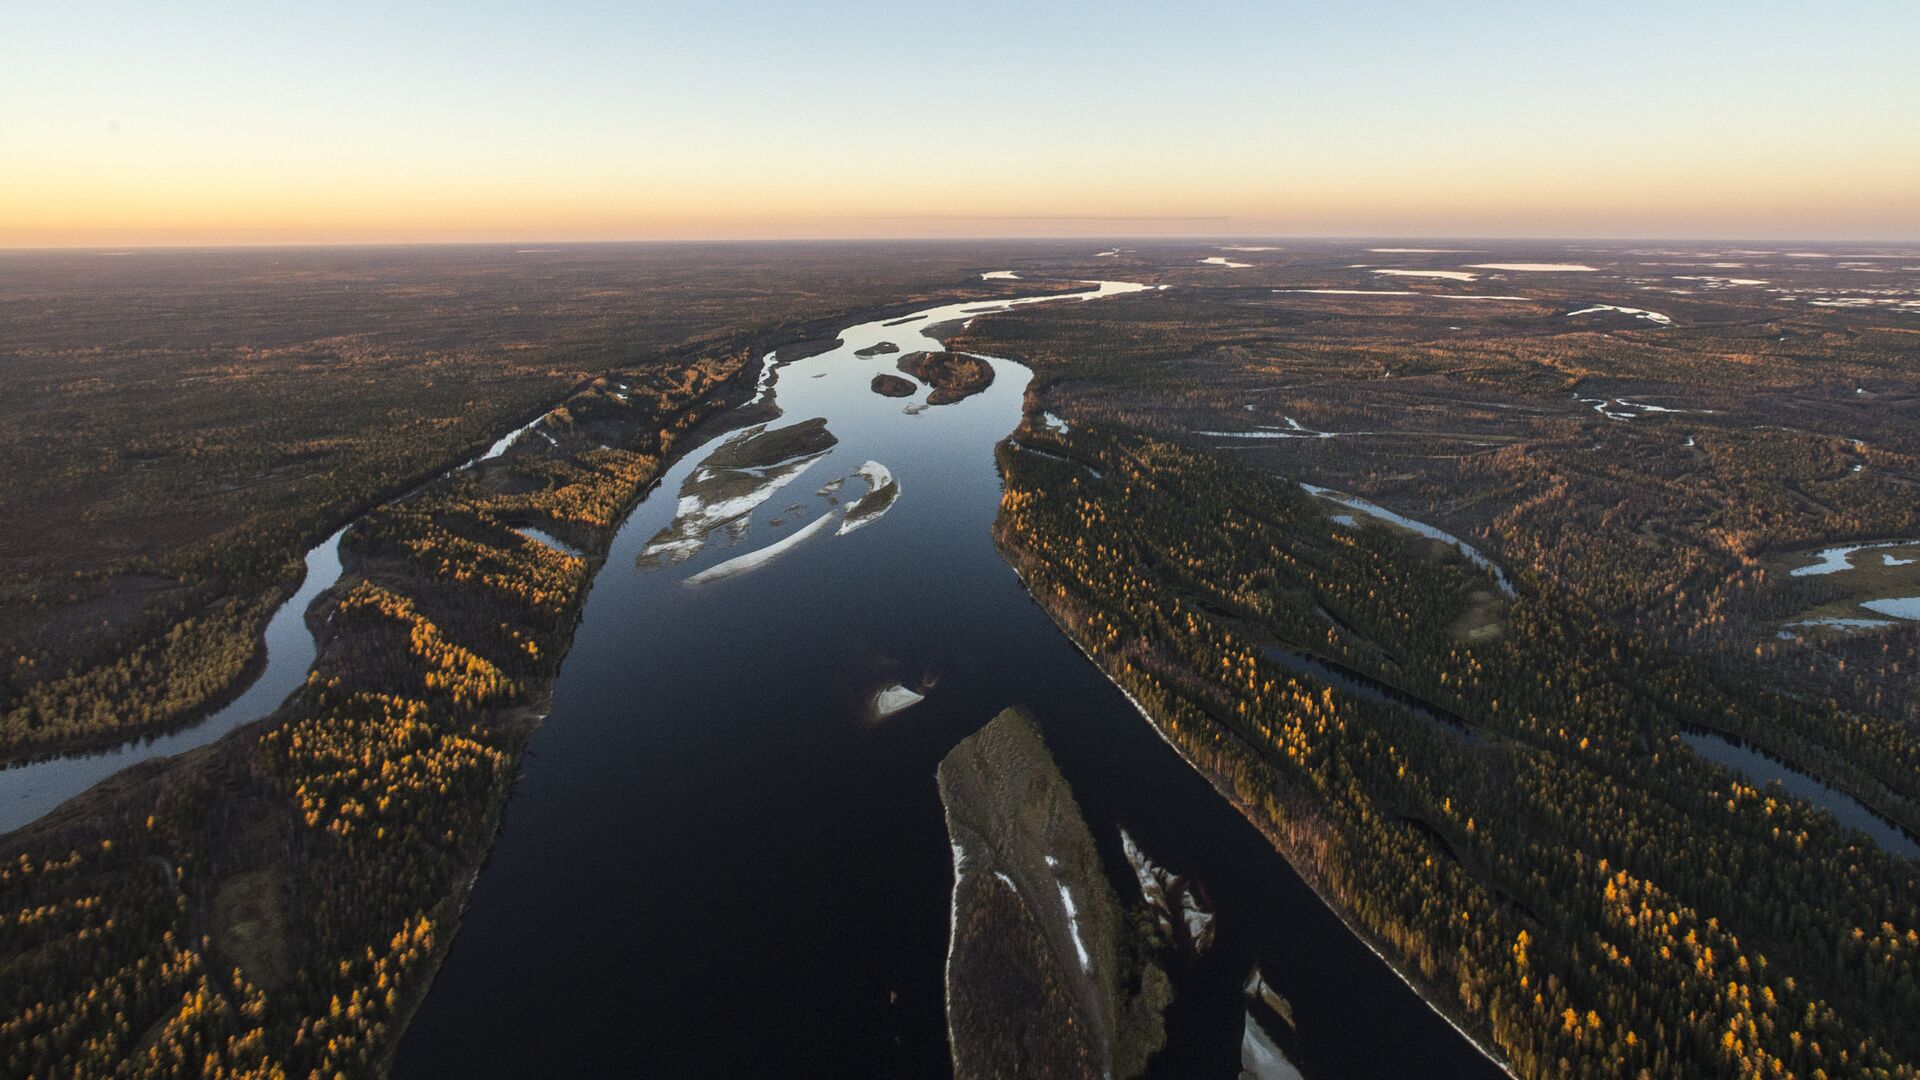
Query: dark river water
[
  {"x": 1760, "y": 767},
  {"x": 717, "y": 863}
]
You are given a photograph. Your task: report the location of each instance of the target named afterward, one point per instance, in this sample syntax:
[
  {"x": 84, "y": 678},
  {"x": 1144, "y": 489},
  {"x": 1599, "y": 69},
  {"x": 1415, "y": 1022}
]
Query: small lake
[
  {"x": 1833, "y": 560},
  {"x": 1360, "y": 684},
  {"x": 1900, "y": 607},
  {"x": 717, "y": 862},
  {"x": 547, "y": 538}
]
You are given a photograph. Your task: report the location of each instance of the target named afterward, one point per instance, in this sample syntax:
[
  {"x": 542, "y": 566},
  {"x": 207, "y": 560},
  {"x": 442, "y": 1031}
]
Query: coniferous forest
[{"x": 1560, "y": 650}]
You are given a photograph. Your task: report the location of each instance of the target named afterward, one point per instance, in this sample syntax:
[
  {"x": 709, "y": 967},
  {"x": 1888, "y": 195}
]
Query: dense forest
[
  {"x": 1491, "y": 777},
  {"x": 274, "y": 904},
  {"x": 1555, "y": 867}
]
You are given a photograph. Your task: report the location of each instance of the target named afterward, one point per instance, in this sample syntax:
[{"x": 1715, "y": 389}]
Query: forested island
[{"x": 1046, "y": 974}]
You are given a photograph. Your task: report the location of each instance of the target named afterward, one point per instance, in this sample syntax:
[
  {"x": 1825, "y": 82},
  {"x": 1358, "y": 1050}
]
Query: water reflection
[
  {"x": 1760, "y": 767},
  {"x": 722, "y": 858},
  {"x": 29, "y": 790}
]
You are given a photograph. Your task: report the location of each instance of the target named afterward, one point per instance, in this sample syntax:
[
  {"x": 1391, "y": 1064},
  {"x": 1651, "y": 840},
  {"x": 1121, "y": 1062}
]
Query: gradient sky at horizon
[{"x": 206, "y": 122}]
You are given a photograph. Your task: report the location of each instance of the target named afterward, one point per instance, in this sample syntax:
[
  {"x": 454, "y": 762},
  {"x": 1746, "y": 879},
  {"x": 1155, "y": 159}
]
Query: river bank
[
  {"x": 253, "y": 842},
  {"x": 399, "y": 849},
  {"x": 1305, "y": 826},
  {"x": 36, "y": 779},
  {"x": 721, "y": 736}
]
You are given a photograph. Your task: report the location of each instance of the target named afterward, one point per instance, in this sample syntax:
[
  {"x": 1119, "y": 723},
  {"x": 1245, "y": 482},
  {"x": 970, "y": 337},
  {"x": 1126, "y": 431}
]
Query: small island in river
[
  {"x": 737, "y": 478},
  {"x": 1044, "y": 977},
  {"x": 889, "y": 385},
  {"x": 953, "y": 376}
]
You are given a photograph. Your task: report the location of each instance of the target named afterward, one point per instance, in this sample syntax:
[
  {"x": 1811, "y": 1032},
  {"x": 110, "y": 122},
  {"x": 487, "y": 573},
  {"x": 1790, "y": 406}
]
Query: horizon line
[{"x": 1149, "y": 239}]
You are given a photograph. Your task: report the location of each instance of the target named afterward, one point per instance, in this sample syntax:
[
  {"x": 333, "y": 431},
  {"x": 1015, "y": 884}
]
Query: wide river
[{"x": 718, "y": 863}]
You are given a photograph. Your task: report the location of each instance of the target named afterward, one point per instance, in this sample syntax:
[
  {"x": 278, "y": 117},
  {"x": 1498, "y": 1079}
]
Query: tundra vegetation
[{"x": 1670, "y": 476}]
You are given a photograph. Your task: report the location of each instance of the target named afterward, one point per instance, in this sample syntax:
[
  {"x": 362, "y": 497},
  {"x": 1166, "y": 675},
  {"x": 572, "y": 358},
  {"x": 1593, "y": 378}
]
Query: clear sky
[{"x": 194, "y": 121}]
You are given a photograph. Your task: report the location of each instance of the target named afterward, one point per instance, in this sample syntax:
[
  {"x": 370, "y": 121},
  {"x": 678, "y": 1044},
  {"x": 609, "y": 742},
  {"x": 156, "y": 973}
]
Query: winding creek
[
  {"x": 1757, "y": 766},
  {"x": 719, "y": 859},
  {"x": 1372, "y": 509},
  {"x": 29, "y": 790}
]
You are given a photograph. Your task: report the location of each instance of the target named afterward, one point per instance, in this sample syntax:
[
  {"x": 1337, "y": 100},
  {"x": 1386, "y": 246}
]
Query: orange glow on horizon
[
  {"x": 184, "y": 210},
  {"x": 205, "y": 124}
]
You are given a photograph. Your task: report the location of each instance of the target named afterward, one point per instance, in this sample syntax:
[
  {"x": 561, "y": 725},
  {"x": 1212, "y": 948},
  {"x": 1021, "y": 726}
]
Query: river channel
[{"x": 718, "y": 861}]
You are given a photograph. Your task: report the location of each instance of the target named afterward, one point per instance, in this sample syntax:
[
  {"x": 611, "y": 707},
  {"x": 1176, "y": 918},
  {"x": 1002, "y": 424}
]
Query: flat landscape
[
  {"x": 186, "y": 424},
  {"x": 1516, "y": 643},
  {"x": 1152, "y": 542}
]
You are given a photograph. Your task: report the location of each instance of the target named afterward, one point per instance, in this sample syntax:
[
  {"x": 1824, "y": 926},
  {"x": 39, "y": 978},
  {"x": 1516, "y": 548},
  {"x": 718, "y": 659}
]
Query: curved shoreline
[
  {"x": 722, "y": 410},
  {"x": 32, "y": 789},
  {"x": 1425, "y": 995},
  {"x": 195, "y": 729},
  {"x": 755, "y": 391}
]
